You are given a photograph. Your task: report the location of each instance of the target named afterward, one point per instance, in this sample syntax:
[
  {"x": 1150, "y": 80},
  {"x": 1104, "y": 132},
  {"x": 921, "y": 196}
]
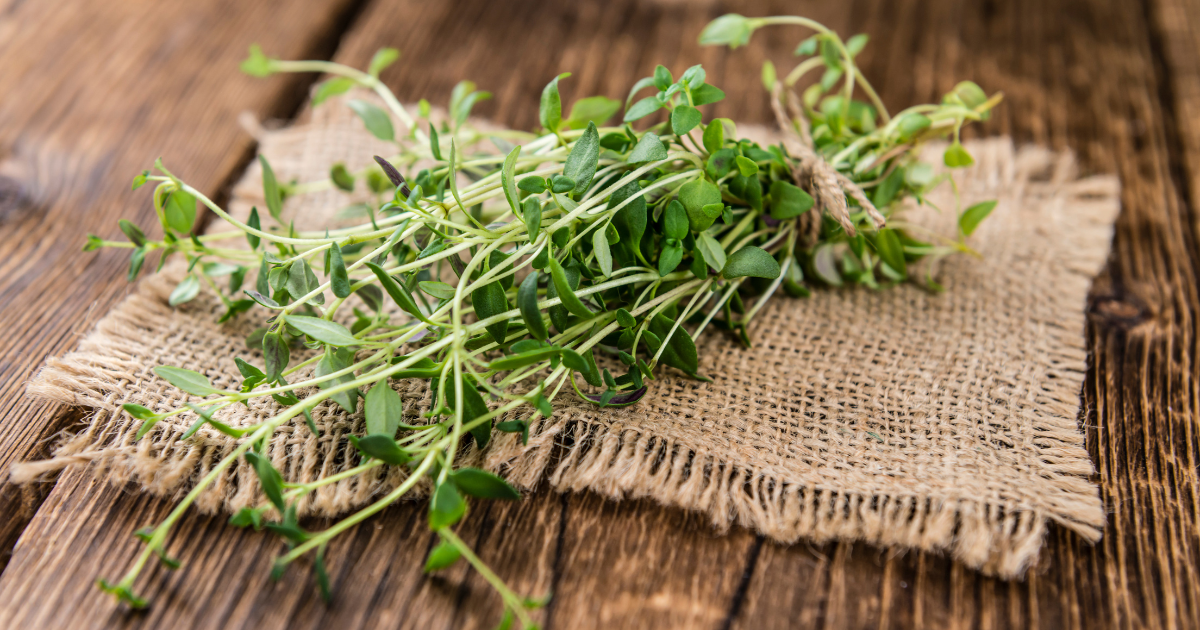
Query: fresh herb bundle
[{"x": 579, "y": 238}]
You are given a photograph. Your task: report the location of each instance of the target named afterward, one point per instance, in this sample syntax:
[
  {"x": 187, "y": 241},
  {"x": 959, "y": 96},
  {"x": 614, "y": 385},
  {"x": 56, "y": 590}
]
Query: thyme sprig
[{"x": 513, "y": 268}]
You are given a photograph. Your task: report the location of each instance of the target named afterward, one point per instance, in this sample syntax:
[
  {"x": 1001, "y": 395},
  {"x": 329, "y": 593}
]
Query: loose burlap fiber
[{"x": 899, "y": 417}]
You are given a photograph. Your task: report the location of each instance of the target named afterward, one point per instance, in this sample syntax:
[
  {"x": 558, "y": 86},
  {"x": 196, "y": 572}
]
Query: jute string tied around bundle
[{"x": 898, "y": 417}]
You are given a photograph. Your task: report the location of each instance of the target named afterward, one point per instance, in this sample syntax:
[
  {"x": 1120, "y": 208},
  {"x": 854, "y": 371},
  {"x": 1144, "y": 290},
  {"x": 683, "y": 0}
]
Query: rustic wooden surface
[{"x": 96, "y": 90}]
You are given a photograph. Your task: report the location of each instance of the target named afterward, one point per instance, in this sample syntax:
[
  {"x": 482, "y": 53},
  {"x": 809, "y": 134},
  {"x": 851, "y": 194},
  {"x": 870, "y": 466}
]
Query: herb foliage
[{"x": 580, "y": 238}]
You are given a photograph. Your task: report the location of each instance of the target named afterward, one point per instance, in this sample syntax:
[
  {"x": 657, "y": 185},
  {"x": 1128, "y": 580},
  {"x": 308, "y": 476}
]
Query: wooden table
[{"x": 94, "y": 90}]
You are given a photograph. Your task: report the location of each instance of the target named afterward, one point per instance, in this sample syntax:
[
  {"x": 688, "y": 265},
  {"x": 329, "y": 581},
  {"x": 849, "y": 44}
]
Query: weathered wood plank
[
  {"x": 1092, "y": 76},
  {"x": 1089, "y": 76},
  {"x": 94, "y": 92}
]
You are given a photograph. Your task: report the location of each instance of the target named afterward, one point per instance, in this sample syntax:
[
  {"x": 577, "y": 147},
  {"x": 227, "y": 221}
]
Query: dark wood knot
[
  {"x": 1117, "y": 311},
  {"x": 13, "y": 197}
]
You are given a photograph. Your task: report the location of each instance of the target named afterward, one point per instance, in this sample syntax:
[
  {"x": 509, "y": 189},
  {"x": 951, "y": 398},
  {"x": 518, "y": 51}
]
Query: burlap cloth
[{"x": 898, "y": 417}]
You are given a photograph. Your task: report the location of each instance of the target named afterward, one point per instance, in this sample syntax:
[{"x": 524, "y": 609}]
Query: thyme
[{"x": 577, "y": 238}]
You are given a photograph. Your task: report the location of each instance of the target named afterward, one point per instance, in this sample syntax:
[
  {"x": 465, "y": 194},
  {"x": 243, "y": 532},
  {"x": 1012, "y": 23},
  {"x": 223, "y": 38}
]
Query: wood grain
[
  {"x": 94, "y": 92},
  {"x": 1117, "y": 82}
]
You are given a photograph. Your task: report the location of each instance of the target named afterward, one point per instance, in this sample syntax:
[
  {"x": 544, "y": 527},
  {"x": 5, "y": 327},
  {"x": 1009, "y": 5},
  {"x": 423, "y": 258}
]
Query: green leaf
[
  {"x": 257, "y": 64},
  {"x": 442, "y": 556},
  {"x": 452, "y": 175},
  {"x": 527, "y": 298},
  {"x": 330, "y": 363},
  {"x": 339, "y": 278},
  {"x": 133, "y": 232},
  {"x": 473, "y": 407},
  {"x": 714, "y": 136},
  {"x": 746, "y": 166},
  {"x": 919, "y": 175},
  {"x": 148, "y": 418},
  {"x": 446, "y": 507},
  {"x": 297, "y": 279},
  {"x": 322, "y": 330},
  {"x": 695, "y": 196},
  {"x": 768, "y": 75},
  {"x": 808, "y": 46},
  {"x": 331, "y": 88},
  {"x": 254, "y": 222},
  {"x": 576, "y": 362},
  {"x": 560, "y": 184},
  {"x": 593, "y": 109},
  {"x": 912, "y": 123},
  {"x": 180, "y": 211},
  {"x": 638, "y": 87},
  {"x": 675, "y": 220},
  {"x": 681, "y": 349},
  {"x": 138, "y": 411},
  {"x": 383, "y": 409},
  {"x": 261, "y": 299},
  {"x": 246, "y": 517},
  {"x": 269, "y": 478},
  {"x": 275, "y": 355},
  {"x": 435, "y": 144},
  {"x": 662, "y": 78},
  {"x": 886, "y": 191},
  {"x": 489, "y": 301},
  {"x": 507, "y": 181},
  {"x": 439, "y": 290},
  {"x": 630, "y": 220},
  {"x": 669, "y": 259},
  {"x": 730, "y": 30},
  {"x": 711, "y": 251},
  {"x": 891, "y": 250},
  {"x": 533, "y": 184},
  {"x": 463, "y": 98},
  {"x": 375, "y": 119},
  {"x": 563, "y": 288},
  {"x": 684, "y": 118},
  {"x": 603, "y": 254},
  {"x": 398, "y": 294},
  {"x": 830, "y": 77},
  {"x": 648, "y": 149},
  {"x": 532, "y": 215},
  {"x": 956, "y": 156},
  {"x": 706, "y": 94},
  {"x": 382, "y": 447},
  {"x": 973, "y": 216},
  {"x": 550, "y": 106},
  {"x": 383, "y": 58},
  {"x": 751, "y": 261},
  {"x": 585, "y": 155},
  {"x": 970, "y": 94},
  {"x": 187, "y": 380},
  {"x": 271, "y": 188},
  {"x": 483, "y": 484},
  {"x": 642, "y": 108},
  {"x": 185, "y": 291},
  {"x": 855, "y": 44},
  {"x": 788, "y": 201}
]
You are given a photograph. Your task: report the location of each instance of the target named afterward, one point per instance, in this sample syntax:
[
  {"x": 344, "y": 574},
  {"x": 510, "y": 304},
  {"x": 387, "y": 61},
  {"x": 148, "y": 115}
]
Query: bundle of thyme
[{"x": 581, "y": 237}]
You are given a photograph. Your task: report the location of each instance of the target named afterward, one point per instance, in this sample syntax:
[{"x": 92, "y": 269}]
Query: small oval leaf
[{"x": 751, "y": 261}]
